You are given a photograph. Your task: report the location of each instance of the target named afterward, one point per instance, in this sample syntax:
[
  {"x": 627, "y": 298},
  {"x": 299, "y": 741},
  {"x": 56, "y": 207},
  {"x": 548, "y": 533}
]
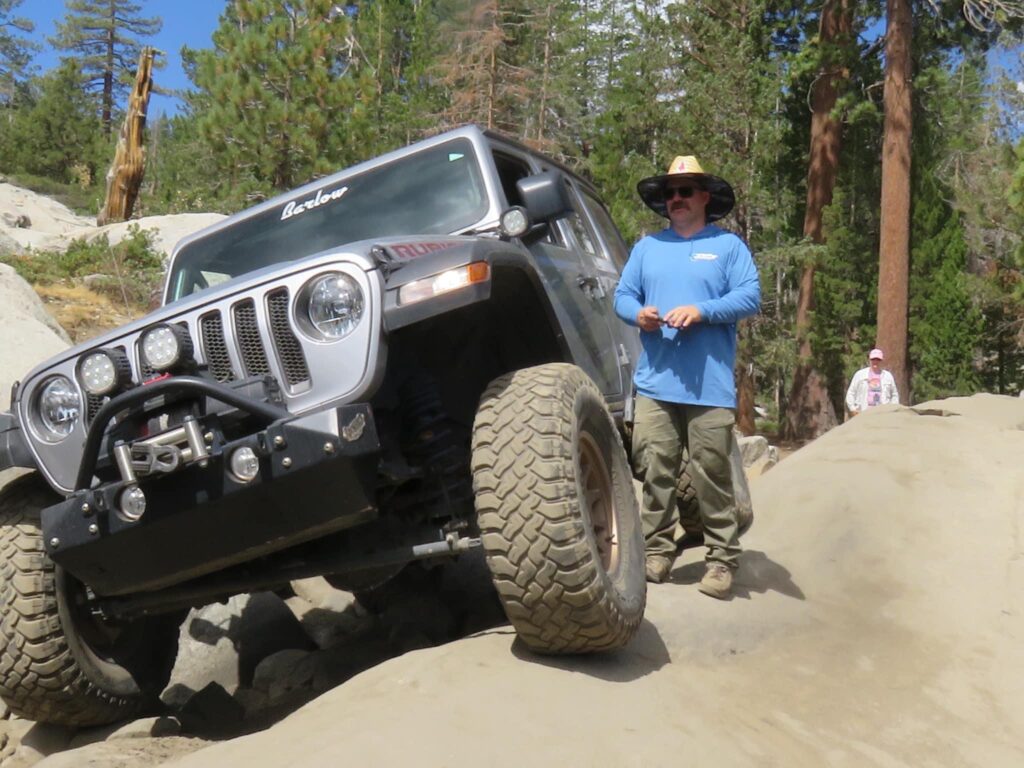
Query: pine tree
[
  {"x": 810, "y": 412},
  {"x": 945, "y": 324},
  {"x": 103, "y": 36},
  {"x": 57, "y": 134},
  {"x": 281, "y": 97},
  {"x": 485, "y": 81},
  {"x": 15, "y": 50},
  {"x": 397, "y": 43}
]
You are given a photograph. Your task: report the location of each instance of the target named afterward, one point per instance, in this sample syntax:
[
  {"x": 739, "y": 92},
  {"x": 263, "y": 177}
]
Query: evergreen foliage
[
  {"x": 15, "y": 50},
  {"x": 104, "y": 38},
  {"x": 56, "y": 132},
  {"x": 283, "y": 96},
  {"x": 290, "y": 90}
]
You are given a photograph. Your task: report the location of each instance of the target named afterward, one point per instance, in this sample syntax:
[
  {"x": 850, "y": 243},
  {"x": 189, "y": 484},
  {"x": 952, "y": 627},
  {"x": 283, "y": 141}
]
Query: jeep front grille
[
  {"x": 289, "y": 352},
  {"x": 251, "y": 347}
]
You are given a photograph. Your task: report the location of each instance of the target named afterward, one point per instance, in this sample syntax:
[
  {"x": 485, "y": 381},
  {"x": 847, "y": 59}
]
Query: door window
[{"x": 616, "y": 248}]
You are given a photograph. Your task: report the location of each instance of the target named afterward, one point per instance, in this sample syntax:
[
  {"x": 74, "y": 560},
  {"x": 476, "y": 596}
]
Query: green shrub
[{"x": 129, "y": 271}]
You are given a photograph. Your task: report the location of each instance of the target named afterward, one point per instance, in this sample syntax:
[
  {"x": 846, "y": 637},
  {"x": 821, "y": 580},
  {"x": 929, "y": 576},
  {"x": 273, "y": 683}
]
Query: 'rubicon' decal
[
  {"x": 412, "y": 250},
  {"x": 294, "y": 209}
]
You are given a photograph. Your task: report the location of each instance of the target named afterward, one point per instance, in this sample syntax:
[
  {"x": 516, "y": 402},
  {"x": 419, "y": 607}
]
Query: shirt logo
[{"x": 704, "y": 257}]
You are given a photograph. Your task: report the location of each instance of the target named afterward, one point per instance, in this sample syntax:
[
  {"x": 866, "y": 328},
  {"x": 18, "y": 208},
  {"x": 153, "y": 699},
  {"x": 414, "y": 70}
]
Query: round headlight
[
  {"x": 103, "y": 371},
  {"x": 335, "y": 305},
  {"x": 164, "y": 346},
  {"x": 58, "y": 407}
]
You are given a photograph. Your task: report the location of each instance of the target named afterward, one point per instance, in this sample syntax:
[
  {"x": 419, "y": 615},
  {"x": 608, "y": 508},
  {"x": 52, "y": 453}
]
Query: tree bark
[
  {"x": 125, "y": 175},
  {"x": 894, "y": 245},
  {"x": 809, "y": 412}
]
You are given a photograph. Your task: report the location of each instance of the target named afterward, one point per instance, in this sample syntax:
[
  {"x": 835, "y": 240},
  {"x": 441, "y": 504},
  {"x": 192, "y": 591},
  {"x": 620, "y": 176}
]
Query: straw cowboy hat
[{"x": 652, "y": 189}]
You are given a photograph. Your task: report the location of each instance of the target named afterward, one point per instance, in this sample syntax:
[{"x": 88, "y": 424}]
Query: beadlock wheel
[
  {"x": 557, "y": 511},
  {"x": 61, "y": 662}
]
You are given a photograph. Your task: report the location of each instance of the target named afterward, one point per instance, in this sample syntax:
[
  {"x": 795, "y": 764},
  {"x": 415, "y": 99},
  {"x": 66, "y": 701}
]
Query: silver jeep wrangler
[{"x": 406, "y": 360}]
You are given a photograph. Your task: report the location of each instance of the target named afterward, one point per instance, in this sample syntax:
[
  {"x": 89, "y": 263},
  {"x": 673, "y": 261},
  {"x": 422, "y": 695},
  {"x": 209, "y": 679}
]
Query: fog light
[
  {"x": 164, "y": 346},
  {"x": 132, "y": 504},
  {"x": 245, "y": 464}
]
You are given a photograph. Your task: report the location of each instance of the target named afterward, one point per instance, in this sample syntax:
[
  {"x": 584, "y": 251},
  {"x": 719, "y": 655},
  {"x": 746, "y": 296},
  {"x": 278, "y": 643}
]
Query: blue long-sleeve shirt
[{"x": 714, "y": 271}]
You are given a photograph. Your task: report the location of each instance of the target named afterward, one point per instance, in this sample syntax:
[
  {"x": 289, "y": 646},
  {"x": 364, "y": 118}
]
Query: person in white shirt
[{"x": 871, "y": 386}]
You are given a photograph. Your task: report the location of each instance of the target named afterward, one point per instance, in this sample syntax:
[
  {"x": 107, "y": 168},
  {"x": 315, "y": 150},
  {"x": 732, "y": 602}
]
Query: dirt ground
[{"x": 877, "y": 621}]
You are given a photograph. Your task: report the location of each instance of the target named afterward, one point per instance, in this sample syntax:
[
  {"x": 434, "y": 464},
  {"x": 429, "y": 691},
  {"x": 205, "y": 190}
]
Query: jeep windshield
[{"x": 436, "y": 191}]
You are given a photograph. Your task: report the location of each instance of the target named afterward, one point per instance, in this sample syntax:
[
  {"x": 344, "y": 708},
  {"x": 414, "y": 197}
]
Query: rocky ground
[
  {"x": 247, "y": 663},
  {"x": 878, "y": 619}
]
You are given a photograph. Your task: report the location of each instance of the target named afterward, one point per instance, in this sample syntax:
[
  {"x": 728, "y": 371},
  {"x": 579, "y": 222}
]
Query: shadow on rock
[
  {"x": 263, "y": 658},
  {"x": 646, "y": 653},
  {"x": 263, "y": 625},
  {"x": 757, "y": 573}
]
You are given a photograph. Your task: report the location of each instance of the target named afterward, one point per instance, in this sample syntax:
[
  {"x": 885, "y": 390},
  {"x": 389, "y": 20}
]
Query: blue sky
[{"x": 186, "y": 22}]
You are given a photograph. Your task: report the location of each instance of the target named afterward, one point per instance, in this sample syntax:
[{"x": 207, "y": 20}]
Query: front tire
[
  {"x": 60, "y": 663},
  {"x": 557, "y": 512}
]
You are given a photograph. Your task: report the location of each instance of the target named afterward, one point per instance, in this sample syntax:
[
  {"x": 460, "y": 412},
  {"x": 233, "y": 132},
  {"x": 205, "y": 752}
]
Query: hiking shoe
[
  {"x": 717, "y": 581},
  {"x": 658, "y": 568}
]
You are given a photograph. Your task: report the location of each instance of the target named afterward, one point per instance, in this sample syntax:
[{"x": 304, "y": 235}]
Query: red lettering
[{"x": 412, "y": 250}]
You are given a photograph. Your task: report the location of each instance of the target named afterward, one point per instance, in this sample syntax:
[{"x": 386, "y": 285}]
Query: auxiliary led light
[
  {"x": 104, "y": 371},
  {"x": 245, "y": 464},
  {"x": 165, "y": 346},
  {"x": 132, "y": 504}
]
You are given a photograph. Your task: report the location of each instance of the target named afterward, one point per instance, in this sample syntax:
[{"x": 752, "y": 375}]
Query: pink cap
[{"x": 876, "y": 354}]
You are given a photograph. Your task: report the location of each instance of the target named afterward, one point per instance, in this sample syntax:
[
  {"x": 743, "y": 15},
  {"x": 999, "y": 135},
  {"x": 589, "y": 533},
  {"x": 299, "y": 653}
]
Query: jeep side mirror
[{"x": 544, "y": 196}]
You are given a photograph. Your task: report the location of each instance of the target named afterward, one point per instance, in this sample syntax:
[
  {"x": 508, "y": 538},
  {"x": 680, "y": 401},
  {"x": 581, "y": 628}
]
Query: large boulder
[
  {"x": 30, "y": 334},
  {"x": 31, "y": 220}
]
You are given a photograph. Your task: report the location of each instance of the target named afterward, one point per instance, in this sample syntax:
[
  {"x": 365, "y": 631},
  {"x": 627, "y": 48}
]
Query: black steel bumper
[{"x": 317, "y": 476}]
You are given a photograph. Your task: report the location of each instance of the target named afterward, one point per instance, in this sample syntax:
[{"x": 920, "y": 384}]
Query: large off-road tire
[
  {"x": 58, "y": 662},
  {"x": 557, "y": 511},
  {"x": 691, "y": 524},
  {"x": 686, "y": 500}
]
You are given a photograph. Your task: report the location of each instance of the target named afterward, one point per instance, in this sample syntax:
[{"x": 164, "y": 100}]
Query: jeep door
[
  {"x": 571, "y": 284},
  {"x": 609, "y": 260},
  {"x": 604, "y": 254}
]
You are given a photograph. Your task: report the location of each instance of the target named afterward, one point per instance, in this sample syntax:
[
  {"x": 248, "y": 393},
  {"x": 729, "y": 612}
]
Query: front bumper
[{"x": 317, "y": 476}]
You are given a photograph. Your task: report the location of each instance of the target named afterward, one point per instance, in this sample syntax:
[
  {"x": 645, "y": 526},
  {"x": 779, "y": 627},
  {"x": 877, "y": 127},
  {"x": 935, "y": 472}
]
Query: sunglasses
[{"x": 683, "y": 192}]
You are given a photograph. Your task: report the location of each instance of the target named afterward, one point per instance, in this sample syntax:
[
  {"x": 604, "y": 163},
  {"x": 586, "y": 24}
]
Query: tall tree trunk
[
  {"x": 894, "y": 246},
  {"x": 108, "y": 76},
  {"x": 809, "y": 412},
  {"x": 541, "y": 112}
]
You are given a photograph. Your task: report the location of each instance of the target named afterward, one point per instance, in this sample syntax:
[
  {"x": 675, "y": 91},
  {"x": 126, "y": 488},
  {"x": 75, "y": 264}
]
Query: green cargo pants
[{"x": 660, "y": 432}]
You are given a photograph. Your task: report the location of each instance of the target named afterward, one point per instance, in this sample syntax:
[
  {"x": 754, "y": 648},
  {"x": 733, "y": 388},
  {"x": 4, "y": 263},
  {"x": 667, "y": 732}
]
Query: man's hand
[
  {"x": 648, "y": 320},
  {"x": 683, "y": 317}
]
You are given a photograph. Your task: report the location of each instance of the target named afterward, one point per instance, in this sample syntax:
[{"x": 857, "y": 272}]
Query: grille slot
[
  {"x": 293, "y": 361},
  {"x": 215, "y": 349},
  {"x": 93, "y": 403},
  {"x": 247, "y": 331}
]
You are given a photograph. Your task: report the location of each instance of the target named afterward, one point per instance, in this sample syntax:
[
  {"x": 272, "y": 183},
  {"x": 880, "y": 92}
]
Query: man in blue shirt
[{"x": 685, "y": 288}]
